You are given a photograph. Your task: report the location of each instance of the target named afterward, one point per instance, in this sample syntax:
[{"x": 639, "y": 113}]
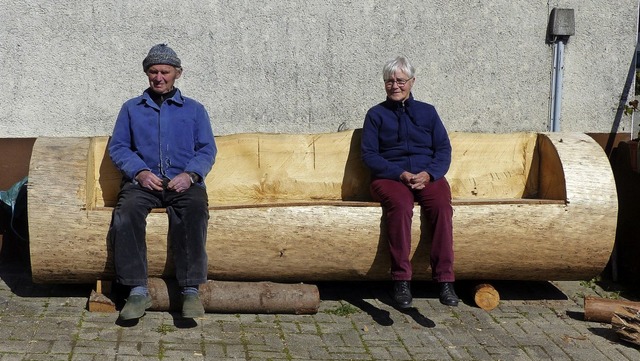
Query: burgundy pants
[{"x": 435, "y": 201}]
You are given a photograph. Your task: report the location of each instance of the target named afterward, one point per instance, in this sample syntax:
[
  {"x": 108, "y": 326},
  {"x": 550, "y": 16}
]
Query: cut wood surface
[
  {"x": 240, "y": 297},
  {"x": 626, "y": 323},
  {"x": 536, "y": 206},
  {"x": 486, "y": 297},
  {"x": 14, "y": 160},
  {"x": 99, "y": 302},
  {"x": 598, "y": 309}
]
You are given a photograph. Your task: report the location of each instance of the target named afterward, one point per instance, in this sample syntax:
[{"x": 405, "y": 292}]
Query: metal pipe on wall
[
  {"x": 561, "y": 26},
  {"x": 556, "y": 86}
]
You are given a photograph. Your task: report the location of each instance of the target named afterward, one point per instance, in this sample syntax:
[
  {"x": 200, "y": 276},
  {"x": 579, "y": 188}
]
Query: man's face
[
  {"x": 161, "y": 77},
  {"x": 398, "y": 87}
]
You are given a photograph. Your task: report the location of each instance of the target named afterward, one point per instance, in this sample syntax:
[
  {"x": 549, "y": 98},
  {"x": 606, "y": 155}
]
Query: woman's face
[{"x": 398, "y": 87}]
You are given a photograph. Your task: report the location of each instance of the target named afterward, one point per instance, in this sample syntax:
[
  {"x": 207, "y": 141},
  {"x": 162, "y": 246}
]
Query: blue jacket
[
  {"x": 167, "y": 140},
  {"x": 399, "y": 137}
]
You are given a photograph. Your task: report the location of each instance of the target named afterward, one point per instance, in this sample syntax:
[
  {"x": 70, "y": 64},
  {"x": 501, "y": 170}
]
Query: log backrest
[{"x": 254, "y": 168}]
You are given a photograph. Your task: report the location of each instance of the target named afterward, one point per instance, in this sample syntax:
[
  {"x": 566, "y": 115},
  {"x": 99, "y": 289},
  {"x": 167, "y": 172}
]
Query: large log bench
[{"x": 527, "y": 206}]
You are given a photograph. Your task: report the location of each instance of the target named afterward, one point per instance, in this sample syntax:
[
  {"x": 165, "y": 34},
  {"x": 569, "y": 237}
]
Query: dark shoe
[
  {"x": 448, "y": 294},
  {"x": 135, "y": 307},
  {"x": 191, "y": 306},
  {"x": 402, "y": 293}
]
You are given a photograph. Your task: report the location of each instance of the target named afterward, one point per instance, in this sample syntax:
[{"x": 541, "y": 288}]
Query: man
[
  {"x": 407, "y": 148},
  {"x": 163, "y": 144}
]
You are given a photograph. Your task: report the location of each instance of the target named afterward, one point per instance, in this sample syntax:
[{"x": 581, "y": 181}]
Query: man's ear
[{"x": 179, "y": 73}]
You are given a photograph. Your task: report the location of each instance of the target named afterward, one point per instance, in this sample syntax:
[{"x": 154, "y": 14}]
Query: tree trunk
[{"x": 297, "y": 208}]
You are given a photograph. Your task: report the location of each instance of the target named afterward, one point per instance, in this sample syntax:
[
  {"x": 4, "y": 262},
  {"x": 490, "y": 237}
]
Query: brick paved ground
[{"x": 356, "y": 321}]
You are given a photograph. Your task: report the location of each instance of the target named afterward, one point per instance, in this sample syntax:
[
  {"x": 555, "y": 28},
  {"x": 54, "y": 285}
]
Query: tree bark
[
  {"x": 598, "y": 309},
  {"x": 545, "y": 206},
  {"x": 626, "y": 322},
  {"x": 240, "y": 297}
]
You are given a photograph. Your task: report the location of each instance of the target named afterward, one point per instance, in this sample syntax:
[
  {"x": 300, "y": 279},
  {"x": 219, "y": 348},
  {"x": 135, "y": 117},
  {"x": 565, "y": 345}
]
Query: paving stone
[
  {"x": 50, "y": 322},
  {"x": 399, "y": 352},
  {"x": 214, "y": 351}
]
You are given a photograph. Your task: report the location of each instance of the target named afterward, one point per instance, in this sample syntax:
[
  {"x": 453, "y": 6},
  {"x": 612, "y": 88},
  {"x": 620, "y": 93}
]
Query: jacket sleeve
[
  {"x": 370, "y": 147},
  {"x": 442, "y": 150},
  {"x": 125, "y": 159},
  {"x": 205, "y": 146}
]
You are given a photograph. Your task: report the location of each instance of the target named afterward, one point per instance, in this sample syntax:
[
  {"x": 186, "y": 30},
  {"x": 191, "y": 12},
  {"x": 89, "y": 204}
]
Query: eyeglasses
[{"x": 400, "y": 82}]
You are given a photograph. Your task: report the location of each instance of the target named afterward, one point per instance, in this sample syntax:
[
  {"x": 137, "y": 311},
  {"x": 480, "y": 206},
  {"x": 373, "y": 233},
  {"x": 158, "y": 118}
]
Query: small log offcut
[{"x": 486, "y": 297}]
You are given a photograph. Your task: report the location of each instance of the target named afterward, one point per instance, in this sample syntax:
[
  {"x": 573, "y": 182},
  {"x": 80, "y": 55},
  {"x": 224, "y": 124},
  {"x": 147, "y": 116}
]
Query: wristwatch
[{"x": 194, "y": 177}]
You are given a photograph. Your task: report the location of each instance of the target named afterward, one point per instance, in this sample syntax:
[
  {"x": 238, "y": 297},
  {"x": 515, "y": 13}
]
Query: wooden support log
[
  {"x": 598, "y": 309},
  {"x": 226, "y": 297},
  {"x": 626, "y": 323},
  {"x": 486, "y": 297},
  {"x": 240, "y": 297}
]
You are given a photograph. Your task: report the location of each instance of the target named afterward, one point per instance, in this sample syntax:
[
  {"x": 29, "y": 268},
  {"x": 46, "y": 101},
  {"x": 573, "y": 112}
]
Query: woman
[{"x": 407, "y": 148}]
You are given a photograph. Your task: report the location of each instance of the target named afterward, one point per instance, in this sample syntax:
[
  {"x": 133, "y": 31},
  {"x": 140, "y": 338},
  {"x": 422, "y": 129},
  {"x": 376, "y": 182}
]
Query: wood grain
[{"x": 536, "y": 206}]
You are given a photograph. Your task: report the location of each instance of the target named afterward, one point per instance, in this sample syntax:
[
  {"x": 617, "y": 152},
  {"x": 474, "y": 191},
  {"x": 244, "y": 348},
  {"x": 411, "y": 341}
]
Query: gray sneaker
[
  {"x": 191, "y": 306},
  {"x": 135, "y": 307}
]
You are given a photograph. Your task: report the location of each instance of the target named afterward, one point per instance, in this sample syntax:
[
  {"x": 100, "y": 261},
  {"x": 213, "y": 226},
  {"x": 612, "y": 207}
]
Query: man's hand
[
  {"x": 148, "y": 180},
  {"x": 180, "y": 183},
  {"x": 415, "y": 181}
]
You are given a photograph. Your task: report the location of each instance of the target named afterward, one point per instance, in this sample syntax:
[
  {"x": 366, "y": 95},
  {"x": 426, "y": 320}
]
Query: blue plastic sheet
[{"x": 17, "y": 206}]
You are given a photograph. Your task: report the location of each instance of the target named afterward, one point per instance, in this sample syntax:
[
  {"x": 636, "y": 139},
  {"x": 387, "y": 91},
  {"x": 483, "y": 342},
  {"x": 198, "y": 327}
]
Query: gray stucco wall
[{"x": 313, "y": 66}]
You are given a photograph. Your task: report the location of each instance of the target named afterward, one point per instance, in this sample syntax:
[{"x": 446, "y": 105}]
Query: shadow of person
[
  {"x": 127, "y": 323},
  {"x": 381, "y": 317},
  {"x": 356, "y": 293},
  {"x": 420, "y": 319},
  {"x": 181, "y": 322},
  {"x": 412, "y": 312}
]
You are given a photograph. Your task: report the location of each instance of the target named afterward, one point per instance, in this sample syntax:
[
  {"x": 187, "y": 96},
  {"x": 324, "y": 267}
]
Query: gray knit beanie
[{"x": 160, "y": 54}]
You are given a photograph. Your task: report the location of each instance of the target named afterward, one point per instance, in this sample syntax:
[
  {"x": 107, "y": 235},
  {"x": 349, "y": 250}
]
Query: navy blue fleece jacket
[{"x": 405, "y": 136}]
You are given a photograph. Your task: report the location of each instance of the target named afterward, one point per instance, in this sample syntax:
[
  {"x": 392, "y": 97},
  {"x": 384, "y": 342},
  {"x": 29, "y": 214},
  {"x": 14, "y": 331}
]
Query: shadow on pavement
[
  {"x": 358, "y": 294},
  {"x": 15, "y": 271}
]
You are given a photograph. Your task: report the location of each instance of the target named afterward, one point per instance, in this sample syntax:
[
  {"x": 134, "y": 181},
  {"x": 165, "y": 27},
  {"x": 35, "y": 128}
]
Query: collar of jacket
[
  {"x": 146, "y": 98},
  {"x": 395, "y": 105}
]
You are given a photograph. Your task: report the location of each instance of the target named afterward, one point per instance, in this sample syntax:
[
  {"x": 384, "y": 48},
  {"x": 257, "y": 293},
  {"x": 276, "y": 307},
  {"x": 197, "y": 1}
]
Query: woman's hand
[{"x": 415, "y": 181}]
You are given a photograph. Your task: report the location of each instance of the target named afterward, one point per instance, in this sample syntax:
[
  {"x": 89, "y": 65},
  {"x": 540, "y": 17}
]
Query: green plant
[
  {"x": 164, "y": 329},
  {"x": 631, "y": 108},
  {"x": 343, "y": 310}
]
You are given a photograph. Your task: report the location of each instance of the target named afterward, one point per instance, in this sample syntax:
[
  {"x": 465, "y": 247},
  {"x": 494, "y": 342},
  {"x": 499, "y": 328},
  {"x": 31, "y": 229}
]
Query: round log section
[
  {"x": 486, "y": 296},
  {"x": 527, "y": 206}
]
